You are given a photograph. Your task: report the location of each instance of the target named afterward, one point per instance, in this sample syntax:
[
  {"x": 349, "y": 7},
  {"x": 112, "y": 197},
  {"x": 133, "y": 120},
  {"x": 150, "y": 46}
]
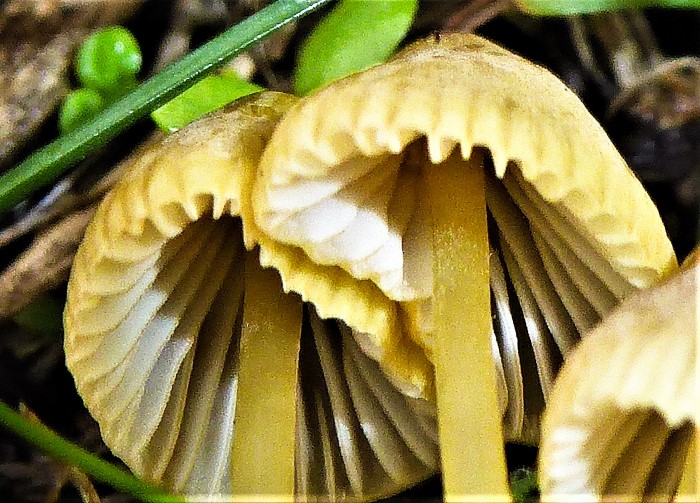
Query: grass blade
[{"x": 67, "y": 452}]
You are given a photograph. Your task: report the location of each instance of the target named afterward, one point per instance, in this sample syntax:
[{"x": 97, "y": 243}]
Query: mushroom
[
  {"x": 455, "y": 168},
  {"x": 625, "y": 409},
  {"x": 396, "y": 262},
  {"x": 185, "y": 350}
]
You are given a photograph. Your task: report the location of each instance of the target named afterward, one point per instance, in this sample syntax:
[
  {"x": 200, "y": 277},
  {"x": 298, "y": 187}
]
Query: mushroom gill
[
  {"x": 346, "y": 179},
  {"x": 624, "y": 411},
  {"x": 172, "y": 339}
]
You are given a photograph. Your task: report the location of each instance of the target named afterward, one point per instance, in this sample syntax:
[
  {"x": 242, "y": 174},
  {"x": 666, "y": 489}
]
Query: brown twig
[
  {"x": 476, "y": 13},
  {"x": 44, "y": 265}
]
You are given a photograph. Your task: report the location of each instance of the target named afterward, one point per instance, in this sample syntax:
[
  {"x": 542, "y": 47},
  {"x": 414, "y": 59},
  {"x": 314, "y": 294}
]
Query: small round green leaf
[
  {"x": 78, "y": 107},
  {"x": 108, "y": 61},
  {"x": 355, "y": 35},
  {"x": 211, "y": 93}
]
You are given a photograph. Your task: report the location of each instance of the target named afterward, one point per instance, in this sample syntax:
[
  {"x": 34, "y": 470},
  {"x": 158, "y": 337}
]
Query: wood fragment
[
  {"x": 67, "y": 202},
  {"x": 44, "y": 265},
  {"x": 33, "y": 82}
]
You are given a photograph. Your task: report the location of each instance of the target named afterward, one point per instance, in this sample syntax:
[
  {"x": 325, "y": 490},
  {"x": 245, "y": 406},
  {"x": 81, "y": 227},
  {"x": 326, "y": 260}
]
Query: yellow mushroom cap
[
  {"x": 572, "y": 231},
  {"x": 154, "y": 317},
  {"x": 626, "y": 404}
]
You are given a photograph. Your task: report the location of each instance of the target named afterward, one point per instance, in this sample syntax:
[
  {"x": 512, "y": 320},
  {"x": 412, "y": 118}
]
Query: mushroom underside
[
  {"x": 357, "y": 434},
  {"x": 549, "y": 281},
  {"x": 631, "y": 455},
  {"x": 623, "y": 413},
  {"x": 343, "y": 178}
]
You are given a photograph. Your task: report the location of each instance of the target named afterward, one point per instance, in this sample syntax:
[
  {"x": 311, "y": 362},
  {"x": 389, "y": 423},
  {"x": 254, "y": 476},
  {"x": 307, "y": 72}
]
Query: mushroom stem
[
  {"x": 689, "y": 487},
  {"x": 469, "y": 421},
  {"x": 262, "y": 458}
]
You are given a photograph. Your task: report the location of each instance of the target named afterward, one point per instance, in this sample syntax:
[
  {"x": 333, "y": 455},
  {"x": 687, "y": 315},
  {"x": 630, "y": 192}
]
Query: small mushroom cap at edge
[{"x": 626, "y": 405}]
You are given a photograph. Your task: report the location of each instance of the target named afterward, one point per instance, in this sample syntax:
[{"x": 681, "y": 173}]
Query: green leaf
[
  {"x": 108, "y": 61},
  {"x": 209, "y": 94},
  {"x": 48, "y": 163},
  {"x": 79, "y": 106},
  {"x": 569, "y": 8},
  {"x": 355, "y": 35}
]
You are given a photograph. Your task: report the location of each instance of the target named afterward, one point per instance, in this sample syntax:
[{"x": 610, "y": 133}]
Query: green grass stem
[{"x": 67, "y": 452}]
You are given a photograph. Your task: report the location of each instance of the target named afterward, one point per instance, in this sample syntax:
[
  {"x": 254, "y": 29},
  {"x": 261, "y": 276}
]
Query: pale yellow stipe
[
  {"x": 262, "y": 458},
  {"x": 469, "y": 421},
  {"x": 689, "y": 487}
]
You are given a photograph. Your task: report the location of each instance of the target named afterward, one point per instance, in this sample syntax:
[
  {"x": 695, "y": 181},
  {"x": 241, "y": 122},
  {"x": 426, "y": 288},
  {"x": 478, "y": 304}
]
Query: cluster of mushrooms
[{"x": 342, "y": 295}]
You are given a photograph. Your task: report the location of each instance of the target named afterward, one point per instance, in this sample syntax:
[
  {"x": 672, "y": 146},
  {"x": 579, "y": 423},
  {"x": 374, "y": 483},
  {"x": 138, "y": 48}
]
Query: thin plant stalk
[{"x": 67, "y": 452}]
